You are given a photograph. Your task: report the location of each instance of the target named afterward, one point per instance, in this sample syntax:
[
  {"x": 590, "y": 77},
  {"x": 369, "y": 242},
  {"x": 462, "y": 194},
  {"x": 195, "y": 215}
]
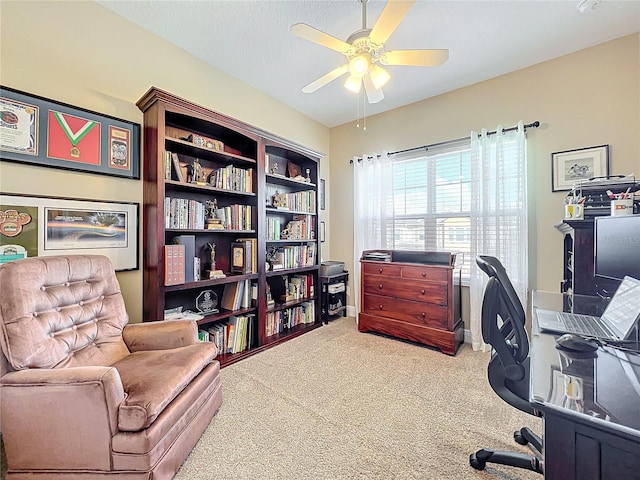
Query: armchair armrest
[
  {"x": 62, "y": 411},
  {"x": 162, "y": 335}
]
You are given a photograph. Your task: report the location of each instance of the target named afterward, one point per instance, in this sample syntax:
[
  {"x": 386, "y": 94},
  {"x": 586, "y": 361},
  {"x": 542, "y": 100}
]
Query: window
[{"x": 429, "y": 201}]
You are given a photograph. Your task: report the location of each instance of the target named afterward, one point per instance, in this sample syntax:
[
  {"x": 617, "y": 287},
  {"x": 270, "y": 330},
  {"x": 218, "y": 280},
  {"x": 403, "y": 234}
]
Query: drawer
[
  {"x": 425, "y": 273},
  {"x": 406, "y": 289},
  {"x": 411, "y": 312},
  {"x": 381, "y": 268}
]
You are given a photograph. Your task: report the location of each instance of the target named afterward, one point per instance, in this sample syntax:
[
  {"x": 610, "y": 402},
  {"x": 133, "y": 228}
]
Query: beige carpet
[{"x": 339, "y": 404}]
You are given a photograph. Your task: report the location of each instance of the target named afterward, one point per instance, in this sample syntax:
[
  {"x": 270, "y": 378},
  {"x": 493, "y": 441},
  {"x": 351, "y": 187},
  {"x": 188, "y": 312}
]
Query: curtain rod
[{"x": 535, "y": 124}]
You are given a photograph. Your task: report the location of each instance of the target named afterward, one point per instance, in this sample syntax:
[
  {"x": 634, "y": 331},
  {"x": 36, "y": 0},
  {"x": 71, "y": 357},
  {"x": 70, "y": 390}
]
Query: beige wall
[
  {"x": 83, "y": 54},
  {"x": 587, "y": 98}
]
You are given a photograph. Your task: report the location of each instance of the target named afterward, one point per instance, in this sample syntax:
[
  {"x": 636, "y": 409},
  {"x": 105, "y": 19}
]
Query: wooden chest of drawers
[{"x": 412, "y": 301}]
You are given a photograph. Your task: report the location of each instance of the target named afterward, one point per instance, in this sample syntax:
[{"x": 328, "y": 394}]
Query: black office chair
[{"x": 503, "y": 321}]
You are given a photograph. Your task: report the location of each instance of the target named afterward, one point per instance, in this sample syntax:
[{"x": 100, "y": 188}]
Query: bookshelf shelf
[{"x": 186, "y": 143}]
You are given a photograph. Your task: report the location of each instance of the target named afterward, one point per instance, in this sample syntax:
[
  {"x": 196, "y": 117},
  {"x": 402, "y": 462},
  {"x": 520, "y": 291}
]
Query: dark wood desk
[{"x": 590, "y": 404}]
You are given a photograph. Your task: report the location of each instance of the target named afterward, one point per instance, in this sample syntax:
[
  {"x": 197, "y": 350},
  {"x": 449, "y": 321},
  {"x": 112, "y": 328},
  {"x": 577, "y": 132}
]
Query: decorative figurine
[
  {"x": 308, "y": 177},
  {"x": 212, "y": 255},
  {"x": 194, "y": 173}
]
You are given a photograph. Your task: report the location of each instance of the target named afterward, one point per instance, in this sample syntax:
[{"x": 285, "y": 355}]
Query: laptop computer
[{"x": 616, "y": 323}]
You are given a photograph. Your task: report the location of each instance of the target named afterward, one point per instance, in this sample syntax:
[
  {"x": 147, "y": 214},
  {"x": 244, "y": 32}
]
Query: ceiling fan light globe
[
  {"x": 353, "y": 83},
  {"x": 359, "y": 66},
  {"x": 379, "y": 76}
]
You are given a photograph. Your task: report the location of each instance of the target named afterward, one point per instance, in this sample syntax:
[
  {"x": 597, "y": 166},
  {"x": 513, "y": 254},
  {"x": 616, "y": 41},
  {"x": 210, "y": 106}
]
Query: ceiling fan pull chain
[
  {"x": 364, "y": 14},
  {"x": 364, "y": 113}
]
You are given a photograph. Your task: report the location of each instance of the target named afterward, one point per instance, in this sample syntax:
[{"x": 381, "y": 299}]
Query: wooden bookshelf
[{"x": 225, "y": 147}]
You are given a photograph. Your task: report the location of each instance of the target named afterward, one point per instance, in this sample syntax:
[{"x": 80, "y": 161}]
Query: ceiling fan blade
[
  {"x": 322, "y": 81},
  {"x": 307, "y": 32},
  {"x": 418, "y": 58},
  {"x": 390, "y": 18},
  {"x": 374, "y": 95}
]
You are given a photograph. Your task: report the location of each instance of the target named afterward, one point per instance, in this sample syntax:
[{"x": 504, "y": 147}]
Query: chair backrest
[
  {"x": 61, "y": 311},
  {"x": 493, "y": 267},
  {"x": 503, "y": 323},
  {"x": 511, "y": 309}
]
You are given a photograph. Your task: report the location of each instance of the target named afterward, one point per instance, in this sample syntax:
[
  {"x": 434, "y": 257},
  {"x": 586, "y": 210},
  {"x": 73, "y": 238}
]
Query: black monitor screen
[{"x": 617, "y": 247}]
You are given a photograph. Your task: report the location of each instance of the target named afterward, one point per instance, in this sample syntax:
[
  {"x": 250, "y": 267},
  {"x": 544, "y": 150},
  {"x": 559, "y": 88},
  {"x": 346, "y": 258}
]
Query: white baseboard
[{"x": 467, "y": 336}]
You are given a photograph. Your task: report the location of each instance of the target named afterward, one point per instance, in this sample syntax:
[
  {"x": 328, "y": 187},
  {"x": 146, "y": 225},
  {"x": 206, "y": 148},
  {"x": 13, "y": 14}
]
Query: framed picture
[
  {"x": 294, "y": 170},
  {"x": 321, "y": 193},
  {"x": 39, "y": 131},
  {"x": 573, "y": 166},
  {"x": 240, "y": 257},
  {"x": 46, "y": 226},
  {"x": 322, "y": 232}
]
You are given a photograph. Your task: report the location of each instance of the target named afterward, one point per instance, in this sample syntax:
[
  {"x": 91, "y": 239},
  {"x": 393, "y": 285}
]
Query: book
[
  {"x": 230, "y": 296},
  {"x": 176, "y": 167},
  {"x": 173, "y": 264},
  {"x": 189, "y": 242}
]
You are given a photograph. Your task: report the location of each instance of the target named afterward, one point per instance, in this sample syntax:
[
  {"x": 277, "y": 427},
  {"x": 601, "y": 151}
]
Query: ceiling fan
[{"x": 365, "y": 51}]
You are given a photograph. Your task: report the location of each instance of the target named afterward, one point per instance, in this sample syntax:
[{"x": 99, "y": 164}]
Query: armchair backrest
[{"x": 61, "y": 311}]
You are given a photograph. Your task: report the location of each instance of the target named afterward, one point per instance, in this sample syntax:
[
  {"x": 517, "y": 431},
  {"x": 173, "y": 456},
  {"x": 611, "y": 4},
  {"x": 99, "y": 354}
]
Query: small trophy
[
  {"x": 206, "y": 302},
  {"x": 210, "y": 221},
  {"x": 212, "y": 272}
]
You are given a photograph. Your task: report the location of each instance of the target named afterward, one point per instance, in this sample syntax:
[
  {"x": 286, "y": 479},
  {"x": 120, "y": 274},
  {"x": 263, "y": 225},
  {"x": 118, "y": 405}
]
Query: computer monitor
[{"x": 617, "y": 247}]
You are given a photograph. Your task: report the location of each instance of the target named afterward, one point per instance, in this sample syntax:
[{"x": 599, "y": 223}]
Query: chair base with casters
[{"x": 480, "y": 459}]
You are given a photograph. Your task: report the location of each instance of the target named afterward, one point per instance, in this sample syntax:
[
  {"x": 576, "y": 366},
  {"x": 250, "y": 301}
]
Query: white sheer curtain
[
  {"x": 498, "y": 214},
  {"x": 372, "y": 183}
]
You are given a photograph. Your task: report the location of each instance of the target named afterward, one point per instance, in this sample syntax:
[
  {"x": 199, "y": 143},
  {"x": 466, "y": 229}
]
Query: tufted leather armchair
[{"x": 84, "y": 395}]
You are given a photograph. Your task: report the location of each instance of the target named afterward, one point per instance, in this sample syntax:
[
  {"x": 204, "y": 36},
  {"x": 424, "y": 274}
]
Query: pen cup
[
  {"x": 621, "y": 207},
  {"x": 574, "y": 211}
]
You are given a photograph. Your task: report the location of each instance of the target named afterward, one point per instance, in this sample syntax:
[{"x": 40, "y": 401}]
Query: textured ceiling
[{"x": 251, "y": 41}]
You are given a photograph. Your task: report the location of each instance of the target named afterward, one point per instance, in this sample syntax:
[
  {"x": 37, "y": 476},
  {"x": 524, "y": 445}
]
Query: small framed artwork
[
  {"x": 239, "y": 261},
  {"x": 35, "y": 226},
  {"x": 322, "y": 232},
  {"x": 294, "y": 170},
  {"x": 573, "y": 166},
  {"x": 321, "y": 195},
  {"x": 39, "y": 131}
]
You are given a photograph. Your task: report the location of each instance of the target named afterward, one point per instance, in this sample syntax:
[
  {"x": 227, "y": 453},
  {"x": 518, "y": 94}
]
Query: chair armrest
[
  {"x": 162, "y": 335},
  {"x": 60, "y": 411}
]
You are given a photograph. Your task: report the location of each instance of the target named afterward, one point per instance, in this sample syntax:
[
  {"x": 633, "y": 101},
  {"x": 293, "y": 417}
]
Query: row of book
[
  {"x": 237, "y": 295},
  {"x": 234, "y": 336},
  {"x": 298, "y": 201},
  {"x": 294, "y": 256},
  {"x": 183, "y": 213},
  {"x": 287, "y": 288},
  {"x": 232, "y": 178},
  {"x": 235, "y": 217},
  {"x": 301, "y": 227},
  {"x": 278, "y": 322}
]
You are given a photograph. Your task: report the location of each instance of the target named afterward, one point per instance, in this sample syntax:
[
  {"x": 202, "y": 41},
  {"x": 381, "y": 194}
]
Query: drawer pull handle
[
  {"x": 422, "y": 291},
  {"x": 380, "y": 286},
  {"x": 380, "y": 307},
  {"x": 423, "y": 314},
  {"x": 380, "y": 270},
  {"x": 424, "y": 274}
]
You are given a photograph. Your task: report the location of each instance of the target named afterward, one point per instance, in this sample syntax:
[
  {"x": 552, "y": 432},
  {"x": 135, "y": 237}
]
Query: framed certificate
[
  {"x": 40, "y": 131},
  {"x": 33, "y": 226}
]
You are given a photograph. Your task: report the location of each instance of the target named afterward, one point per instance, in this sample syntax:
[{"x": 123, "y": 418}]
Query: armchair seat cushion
[{"x": 152, "y": 379}]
